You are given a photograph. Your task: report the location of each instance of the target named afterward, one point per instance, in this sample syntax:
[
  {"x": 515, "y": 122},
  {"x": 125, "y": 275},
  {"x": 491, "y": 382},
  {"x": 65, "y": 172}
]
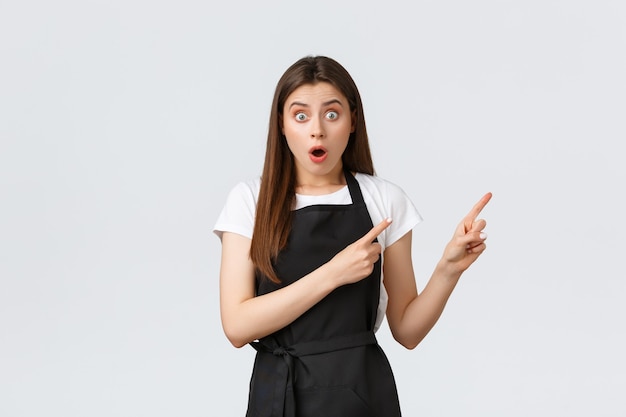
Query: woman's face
[{"x": 317, "y": 123}]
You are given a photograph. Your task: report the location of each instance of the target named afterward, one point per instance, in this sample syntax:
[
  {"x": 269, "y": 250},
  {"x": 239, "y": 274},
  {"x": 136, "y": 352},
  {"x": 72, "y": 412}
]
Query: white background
[{"x": 124, "y": 124}]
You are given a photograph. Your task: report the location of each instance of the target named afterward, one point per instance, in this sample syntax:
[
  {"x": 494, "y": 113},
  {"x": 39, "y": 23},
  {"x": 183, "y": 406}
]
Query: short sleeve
[
  {"x": 237, "y": 215},
  {"x": 386, "y": 199},
  {"x": 403, "y": 212}
]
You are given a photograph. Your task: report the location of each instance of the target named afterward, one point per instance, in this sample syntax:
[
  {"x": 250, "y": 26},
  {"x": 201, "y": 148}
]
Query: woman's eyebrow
[
  {"x": 324, "y": 104},
  {"x": 333, "y": 101},
  {"x": 297, "y": 103}
]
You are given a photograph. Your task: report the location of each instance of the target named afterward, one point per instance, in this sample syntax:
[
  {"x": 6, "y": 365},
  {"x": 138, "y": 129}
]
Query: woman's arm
[
  {"x": 411, "y": 316},
  {"x": 246, "y": 318}
]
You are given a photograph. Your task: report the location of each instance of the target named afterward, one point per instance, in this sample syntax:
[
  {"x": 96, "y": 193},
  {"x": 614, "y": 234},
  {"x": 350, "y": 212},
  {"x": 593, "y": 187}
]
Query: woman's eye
[
  {"x": 300, "y": 117},
  {"x": 332, "y": 115}
]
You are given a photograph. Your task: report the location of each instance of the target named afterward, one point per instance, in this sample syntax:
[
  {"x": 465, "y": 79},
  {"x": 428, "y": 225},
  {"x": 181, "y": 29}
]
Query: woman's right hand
[{"x": 357, "y": 260}]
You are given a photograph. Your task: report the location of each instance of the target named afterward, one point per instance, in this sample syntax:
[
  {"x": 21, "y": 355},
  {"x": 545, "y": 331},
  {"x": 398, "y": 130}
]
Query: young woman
[{"x": 301, "y": 276}]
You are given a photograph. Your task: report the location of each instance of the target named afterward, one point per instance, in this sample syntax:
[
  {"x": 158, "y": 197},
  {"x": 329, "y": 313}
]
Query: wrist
[
  {"x": 448, "y": 270},
  {"x": 330, "y": 277}
]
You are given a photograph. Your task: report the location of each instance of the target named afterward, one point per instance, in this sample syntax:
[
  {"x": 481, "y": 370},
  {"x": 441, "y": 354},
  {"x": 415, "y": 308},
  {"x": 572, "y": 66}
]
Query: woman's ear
[{"x": 353, "y": 117}]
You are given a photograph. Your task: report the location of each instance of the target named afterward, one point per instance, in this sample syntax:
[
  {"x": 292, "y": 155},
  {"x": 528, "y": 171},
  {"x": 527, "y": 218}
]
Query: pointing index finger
[
  {"x": 377, "y": 230},
  {"x": 475, "y": 211}
]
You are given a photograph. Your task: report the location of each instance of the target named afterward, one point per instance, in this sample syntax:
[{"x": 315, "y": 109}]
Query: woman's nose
[{"x": 317, "y": 129}]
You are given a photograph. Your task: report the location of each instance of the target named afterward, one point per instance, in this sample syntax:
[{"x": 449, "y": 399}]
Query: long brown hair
[{"x": 277, "y": 194}]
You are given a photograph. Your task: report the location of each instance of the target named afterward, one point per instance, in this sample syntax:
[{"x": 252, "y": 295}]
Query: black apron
[{"x": 327, "y": 363}]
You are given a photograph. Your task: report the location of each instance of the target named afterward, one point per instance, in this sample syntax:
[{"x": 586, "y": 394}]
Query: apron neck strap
[{"x": 353, "y": 188}]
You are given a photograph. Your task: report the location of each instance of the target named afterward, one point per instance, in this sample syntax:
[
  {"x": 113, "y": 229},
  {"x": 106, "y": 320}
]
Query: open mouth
[{"x": 318, "y": 153}]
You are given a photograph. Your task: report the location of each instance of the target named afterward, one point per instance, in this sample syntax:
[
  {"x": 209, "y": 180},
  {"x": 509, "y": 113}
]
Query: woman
[{"x": 301, "y": 276}]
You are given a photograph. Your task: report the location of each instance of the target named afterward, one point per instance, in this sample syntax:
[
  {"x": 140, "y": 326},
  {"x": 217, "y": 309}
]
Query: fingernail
[
  {"x": 483, "y": 236},
  {"x": 389, "y": 219}
]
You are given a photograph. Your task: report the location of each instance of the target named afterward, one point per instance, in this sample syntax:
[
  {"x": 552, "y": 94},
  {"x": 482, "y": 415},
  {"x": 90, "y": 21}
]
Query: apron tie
[
  {"x": 285, "y": 400},
  {"x": 280, "y": 351}
]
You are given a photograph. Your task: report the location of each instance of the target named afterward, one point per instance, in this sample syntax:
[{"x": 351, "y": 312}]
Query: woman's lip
[{"x": 315, "y": 158}]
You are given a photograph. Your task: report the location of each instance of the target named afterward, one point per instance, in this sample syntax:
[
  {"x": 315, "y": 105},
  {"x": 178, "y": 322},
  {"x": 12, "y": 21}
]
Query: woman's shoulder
[
  {"x": 384, "y": 193},
  {"x": 246, "y": 189},
  {"x": 386, "y": 199},
  {"x": 243, "y": 196},
  {"x": 238, "y": 212},
  {"x": 376, "y": 185}
]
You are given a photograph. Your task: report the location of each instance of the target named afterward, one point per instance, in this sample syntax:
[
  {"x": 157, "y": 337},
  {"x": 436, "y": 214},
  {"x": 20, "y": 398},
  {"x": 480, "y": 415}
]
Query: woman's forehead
[{"x": 313, "y": 93}]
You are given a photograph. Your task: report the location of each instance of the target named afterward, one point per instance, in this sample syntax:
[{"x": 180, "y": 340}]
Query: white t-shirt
[{"x": 382, "y": 198}]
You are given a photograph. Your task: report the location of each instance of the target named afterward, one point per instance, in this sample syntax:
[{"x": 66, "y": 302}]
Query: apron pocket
[{"x": 330, "y": 402}]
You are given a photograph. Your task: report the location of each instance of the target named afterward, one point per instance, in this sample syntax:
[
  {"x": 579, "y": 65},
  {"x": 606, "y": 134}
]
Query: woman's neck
[{"x": 320, "y": 184}]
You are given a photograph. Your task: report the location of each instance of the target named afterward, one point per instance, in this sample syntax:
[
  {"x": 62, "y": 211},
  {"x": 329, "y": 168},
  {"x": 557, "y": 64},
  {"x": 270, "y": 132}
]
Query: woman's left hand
[{"x": 468, "y": 241}]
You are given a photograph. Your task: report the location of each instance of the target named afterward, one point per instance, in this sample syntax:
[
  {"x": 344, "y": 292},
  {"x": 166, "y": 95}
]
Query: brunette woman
[{"x": 301, "y": 276}]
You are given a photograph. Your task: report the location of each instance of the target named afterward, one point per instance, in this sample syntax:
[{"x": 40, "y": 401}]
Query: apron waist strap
[
  {"x": 316, "y": 347},
  {"x": 285, "y": 404}
]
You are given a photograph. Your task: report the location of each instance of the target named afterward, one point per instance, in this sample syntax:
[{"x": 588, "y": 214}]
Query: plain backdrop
[{"x": 124, "y": 124}]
